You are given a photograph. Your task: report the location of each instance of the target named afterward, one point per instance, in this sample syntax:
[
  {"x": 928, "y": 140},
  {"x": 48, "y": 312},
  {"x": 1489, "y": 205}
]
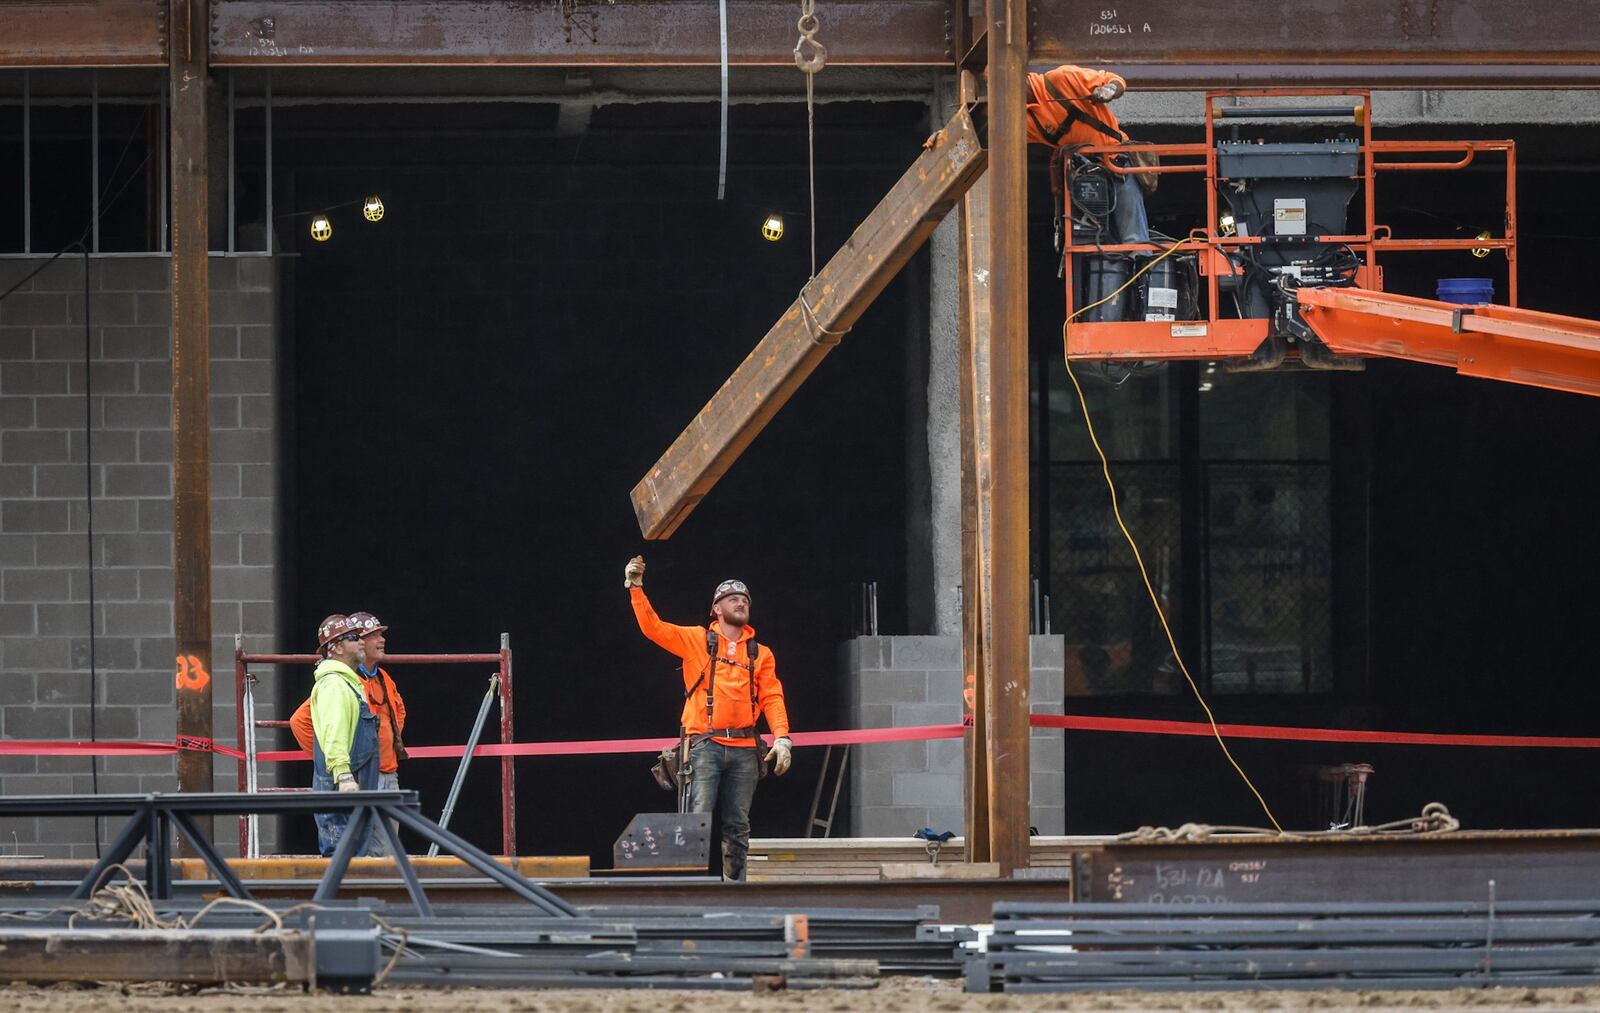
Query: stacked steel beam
[
  {"x": 351, "y": 946},
  {"x": 1152, "y": 947}
]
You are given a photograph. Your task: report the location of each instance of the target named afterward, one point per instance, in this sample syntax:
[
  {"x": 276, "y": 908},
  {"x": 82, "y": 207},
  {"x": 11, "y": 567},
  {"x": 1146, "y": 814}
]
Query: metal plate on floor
[{"x": 664, "y": 840}]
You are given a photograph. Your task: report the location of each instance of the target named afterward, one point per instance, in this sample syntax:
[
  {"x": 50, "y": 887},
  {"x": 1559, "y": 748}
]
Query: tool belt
[
  {"x": 665, "y": 769},
  {"x": 668, "y": 766}
]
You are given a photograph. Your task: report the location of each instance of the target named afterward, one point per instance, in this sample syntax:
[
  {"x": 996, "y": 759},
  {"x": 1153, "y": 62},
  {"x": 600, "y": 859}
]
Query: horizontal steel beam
[
  {"x": 196, "y": 956},
  {"x": 1435, "y": 868},
  {"x": 1305, "y": 31},
  {"x": 1458, "y": 45},
  {"x": 83, "y": 33},
  {"x": 1144, "y": 77},
  {"x": 587, "y": 33}
]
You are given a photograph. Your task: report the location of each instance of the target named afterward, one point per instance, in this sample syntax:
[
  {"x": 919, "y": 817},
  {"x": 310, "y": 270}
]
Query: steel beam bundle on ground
[
  {"x": 1097, "y": 947},
  {"x": 353, "y": 946},
  {"x": 901, "y": 940}
]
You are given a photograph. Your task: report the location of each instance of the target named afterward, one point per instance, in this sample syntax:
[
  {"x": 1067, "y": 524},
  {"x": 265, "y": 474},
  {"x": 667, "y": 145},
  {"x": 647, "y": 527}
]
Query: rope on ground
[{"x": 1435, "y": 819}]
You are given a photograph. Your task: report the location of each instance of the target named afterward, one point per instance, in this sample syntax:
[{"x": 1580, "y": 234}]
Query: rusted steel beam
[
  {"x": 82, "y": 33},
  {"x": 323, "y": 33},
  {"x": 1304, "y": 31},
  {"x": 977, "y": 473},
  {"x": 1003, "y": 501},
  {"x": 1393, "y": 76},
  {"x": 809, "y": 329},
  {"x": 195, "y": 956},
  {"x": 191, "y": 396}
]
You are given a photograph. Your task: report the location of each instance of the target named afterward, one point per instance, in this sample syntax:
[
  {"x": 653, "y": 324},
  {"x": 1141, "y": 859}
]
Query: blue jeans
[
  {"x": 725, "y": 783},
  {"x": 379, "y": 842},
  {"x": 1128, "y": 219}
]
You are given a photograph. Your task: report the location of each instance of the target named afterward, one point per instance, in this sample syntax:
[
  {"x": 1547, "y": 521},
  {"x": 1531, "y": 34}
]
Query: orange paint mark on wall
[{"x": 192, "y": 675}]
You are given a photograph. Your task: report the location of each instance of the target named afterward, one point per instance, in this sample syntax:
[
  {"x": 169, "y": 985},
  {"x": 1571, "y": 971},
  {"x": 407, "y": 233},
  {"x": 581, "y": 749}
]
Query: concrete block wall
[
  {"x": 44, "y": 549},
  {"x": 898, "y": 788}
]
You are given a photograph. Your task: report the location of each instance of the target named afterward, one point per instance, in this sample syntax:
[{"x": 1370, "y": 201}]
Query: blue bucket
[{"x": 1466, "y": 291}]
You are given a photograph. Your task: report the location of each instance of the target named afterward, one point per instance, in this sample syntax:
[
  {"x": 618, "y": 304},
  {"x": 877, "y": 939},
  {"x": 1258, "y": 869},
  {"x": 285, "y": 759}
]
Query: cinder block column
[
  {"x": 897, "y": 682},
  {"x": 45, "y": 650}
]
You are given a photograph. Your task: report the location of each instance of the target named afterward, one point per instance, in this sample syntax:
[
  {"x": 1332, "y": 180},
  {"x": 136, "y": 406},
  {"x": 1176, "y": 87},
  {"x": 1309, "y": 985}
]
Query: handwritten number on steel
[{"x": 192, "y": 675}]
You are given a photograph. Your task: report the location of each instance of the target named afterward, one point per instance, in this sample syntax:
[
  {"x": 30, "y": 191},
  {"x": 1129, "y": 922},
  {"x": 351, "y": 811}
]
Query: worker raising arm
[{"x": 729, "y": 682}]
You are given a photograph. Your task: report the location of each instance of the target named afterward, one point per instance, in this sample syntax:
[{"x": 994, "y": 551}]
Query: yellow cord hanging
[{"x": 1105, "y": 467}]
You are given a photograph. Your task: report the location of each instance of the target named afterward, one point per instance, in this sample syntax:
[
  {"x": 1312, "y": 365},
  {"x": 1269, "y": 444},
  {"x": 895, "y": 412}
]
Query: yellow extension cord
[{"x": 1105, "y": 467}]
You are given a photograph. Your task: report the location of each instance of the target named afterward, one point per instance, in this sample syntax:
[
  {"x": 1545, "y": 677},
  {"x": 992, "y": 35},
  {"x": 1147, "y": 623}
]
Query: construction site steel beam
[
  {"x": 191, "y": 395},
  {"x": 191, "y": 956},
  {"x": 1445, "y": 45},
  {"x": 1003, "y": 438},
  {"x": 1491, "y": 342},
  {"x": 977, "y": 474},
  {"x": 1303, "y": 32},
  {"x": 658, "y": 33},
  {"x": 82, "y": 33},
  {"x": 811, "y": 327},
  {"x": 1377, "y": 77}
]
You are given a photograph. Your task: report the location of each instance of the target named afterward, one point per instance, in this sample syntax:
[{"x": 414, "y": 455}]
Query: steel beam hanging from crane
[{"x": 812, "y": 326}]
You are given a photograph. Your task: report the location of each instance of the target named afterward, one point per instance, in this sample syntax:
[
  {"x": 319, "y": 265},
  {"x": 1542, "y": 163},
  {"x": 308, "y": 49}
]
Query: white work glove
[
  {"x": 347, "y": 782},
  {"x": 783, "y": 750},
  {"x": 1106, "y": 92},
  {"x": 633, "y": 573}
]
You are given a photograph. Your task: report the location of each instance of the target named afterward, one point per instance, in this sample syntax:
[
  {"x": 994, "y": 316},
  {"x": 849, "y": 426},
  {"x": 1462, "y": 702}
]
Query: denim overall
[{"x": 363, "y": 764}]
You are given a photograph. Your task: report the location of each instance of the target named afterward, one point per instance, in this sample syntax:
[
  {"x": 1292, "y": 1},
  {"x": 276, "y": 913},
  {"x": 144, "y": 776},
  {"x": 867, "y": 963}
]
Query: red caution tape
[
  {"x": 857, "y": 736},
  {"x": 916, "y": 733},
  {"x": 1149, "y": 727}
]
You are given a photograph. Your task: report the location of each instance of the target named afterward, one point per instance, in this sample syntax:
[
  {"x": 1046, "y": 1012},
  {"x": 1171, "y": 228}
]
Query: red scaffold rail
[{"x": 502, "y": 659}]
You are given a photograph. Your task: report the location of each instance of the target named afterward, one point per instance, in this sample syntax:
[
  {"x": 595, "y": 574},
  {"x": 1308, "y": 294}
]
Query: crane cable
[
  {"x": 810, "y": 56},
  {"x": 1138, "y": 557}
]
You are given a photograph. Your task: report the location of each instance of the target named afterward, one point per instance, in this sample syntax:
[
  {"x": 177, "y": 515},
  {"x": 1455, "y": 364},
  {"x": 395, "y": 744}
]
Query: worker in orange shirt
[
  {"x": 1070, "y": 106},
  {"x": 383, "y": 699},
  {"x": 729, "y": 682}
]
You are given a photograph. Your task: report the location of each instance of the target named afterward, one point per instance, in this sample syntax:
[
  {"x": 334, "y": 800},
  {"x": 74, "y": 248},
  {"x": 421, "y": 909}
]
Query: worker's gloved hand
[
  {"x": 633, "y": 573},
  {"x": 347, "y": 782},
  {"x": 1105, "y": 93},
  {"x": 780, "y": 755}
]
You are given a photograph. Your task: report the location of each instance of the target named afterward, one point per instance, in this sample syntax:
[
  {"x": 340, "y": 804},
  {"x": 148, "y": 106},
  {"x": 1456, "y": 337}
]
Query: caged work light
[
  {"x": 772, "y": 228},
  {"x": 321, "y": 228},
  {"x": 372, "y": 209}
]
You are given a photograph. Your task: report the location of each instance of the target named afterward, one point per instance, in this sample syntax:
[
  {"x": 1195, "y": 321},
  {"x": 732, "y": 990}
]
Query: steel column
[
  {"x": 508, "y": 770},
  {"x": 191, "y": 395},
  {"x": 1003, "y": 438},
  {"x": 976, "y": 535}
]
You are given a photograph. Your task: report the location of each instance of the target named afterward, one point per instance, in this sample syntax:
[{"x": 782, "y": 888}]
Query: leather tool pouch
[{"x": 665, "y": 769}]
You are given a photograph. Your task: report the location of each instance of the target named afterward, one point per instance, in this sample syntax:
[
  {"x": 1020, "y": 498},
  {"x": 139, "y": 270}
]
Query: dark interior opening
[{"x": 482, "y": 376}]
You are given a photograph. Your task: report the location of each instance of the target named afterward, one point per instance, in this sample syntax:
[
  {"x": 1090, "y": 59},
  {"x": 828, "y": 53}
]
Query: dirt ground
[{"x": 895, "y": 994}]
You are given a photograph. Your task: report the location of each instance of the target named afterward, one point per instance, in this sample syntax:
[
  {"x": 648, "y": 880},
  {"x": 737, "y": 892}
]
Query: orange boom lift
[{"x": 1278, "y": 277}]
